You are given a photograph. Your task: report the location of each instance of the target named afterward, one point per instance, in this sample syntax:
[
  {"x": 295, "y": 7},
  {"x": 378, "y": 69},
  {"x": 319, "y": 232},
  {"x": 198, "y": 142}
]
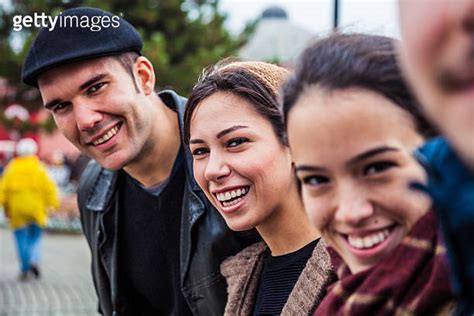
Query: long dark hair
[{"x": 342, "y": 61}]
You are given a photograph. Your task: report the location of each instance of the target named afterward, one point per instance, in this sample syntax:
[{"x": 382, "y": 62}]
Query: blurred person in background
[
  {"x": 2, "y": 164},
  {"x": 438, "y": 59},
  {"x": 27, "y": 193},
  {"x": 437, "y": 55},
  {"x": 59, "y": 170}
]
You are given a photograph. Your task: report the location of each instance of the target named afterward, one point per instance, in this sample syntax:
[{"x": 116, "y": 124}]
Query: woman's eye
[
  {"x": 95, "y": 87},
  {"x": 315, "y": 180},
  {"x": 200, "y": 151},
  {"x": 237, "y": 141},
  {"x": 378, "y": 167}
]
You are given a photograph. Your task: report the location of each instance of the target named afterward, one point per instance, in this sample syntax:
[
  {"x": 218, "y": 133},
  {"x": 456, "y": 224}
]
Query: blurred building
[{"x": 276, "y": 39}]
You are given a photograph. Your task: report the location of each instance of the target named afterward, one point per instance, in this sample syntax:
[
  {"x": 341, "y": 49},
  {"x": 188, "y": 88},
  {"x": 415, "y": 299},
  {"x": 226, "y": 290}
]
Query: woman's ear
[{"x": 145, "y": 75}]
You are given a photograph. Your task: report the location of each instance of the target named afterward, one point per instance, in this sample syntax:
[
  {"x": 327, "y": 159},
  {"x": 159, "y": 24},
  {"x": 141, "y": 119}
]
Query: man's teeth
[
  {"x": 107, "y": 136},
  {"x": 368, "y": 241},
  {"x": 226, "y": 197}
]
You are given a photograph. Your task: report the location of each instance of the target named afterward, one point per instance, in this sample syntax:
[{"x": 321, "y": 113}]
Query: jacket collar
[{"x": 178, "y": 104}]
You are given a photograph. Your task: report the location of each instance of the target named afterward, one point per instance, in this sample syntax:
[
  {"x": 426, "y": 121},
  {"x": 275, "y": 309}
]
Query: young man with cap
[
  {"x": 438, "y": 57},
  {"x": 156, "y": 242}
]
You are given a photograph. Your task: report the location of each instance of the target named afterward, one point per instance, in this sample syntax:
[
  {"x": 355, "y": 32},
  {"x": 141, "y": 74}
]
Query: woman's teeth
[
  {"x": 368, "y": 241},
  {"x": 232, "y": 197},
  {"x": 232, "y": 202}
]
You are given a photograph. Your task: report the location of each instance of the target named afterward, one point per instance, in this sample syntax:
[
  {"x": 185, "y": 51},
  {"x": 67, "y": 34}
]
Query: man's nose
[{"x": 86, "y": 117}]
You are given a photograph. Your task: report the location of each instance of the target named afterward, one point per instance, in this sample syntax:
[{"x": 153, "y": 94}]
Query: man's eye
[
  {"x": 60, "y": 107},
  {"x": 95, "y": 87},
  {"x": 200, "y": 151},
  {"x": 237, "y": 141},
  {"x": 315, "y": 180},
  {"x": 378, "y": 167}
]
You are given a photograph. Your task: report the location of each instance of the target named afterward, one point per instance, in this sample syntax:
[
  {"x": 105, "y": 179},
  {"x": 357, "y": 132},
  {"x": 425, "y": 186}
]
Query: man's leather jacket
[{"x": 205, "y": 238}]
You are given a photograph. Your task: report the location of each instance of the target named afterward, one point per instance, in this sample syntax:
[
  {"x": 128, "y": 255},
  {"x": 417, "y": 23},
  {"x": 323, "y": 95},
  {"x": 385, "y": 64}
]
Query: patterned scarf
[{"x": 413, "y": 280}]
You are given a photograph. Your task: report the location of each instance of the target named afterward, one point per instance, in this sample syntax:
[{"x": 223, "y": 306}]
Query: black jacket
[{"x": 205, "y": 238}]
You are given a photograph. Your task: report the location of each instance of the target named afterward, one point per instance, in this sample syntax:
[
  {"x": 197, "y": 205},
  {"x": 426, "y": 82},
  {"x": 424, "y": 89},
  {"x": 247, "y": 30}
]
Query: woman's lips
[
  {"x": 373, "y": 243},
  {"x": 232, "y": 200},
  {"x": 369, "y": 240}
]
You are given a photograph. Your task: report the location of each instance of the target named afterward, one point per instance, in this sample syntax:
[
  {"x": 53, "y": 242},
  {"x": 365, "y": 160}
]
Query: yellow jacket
[{"x": 26, "y": 192}]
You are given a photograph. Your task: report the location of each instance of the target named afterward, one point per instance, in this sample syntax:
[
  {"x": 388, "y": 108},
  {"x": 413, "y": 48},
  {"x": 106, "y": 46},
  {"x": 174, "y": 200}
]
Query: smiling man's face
[
  {"x": 438, "y": 57},
  {"x": 96, "y": 106}
]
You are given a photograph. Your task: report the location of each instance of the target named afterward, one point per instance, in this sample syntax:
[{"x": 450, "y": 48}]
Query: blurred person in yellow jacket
[{"x": 26, "y": 193}]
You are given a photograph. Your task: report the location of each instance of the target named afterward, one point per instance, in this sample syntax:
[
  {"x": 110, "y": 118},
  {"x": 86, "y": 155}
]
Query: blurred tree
[{"x": 181, "y": 37}]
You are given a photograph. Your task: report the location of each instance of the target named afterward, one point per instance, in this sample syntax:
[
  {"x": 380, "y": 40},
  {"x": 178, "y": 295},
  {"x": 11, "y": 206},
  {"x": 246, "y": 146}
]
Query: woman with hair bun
[{"x": 243, "y": 164}]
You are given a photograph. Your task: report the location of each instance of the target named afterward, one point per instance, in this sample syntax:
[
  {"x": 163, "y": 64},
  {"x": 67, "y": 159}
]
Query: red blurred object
[{"x": 3, "y": 133}]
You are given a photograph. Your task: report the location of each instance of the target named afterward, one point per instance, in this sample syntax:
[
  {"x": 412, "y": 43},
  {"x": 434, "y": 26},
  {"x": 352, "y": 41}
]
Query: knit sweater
[{"x": 243, "y": 270}]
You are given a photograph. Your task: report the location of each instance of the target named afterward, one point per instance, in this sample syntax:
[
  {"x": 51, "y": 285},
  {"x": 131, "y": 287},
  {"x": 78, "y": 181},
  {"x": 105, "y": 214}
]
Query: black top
[
  {"x": 278, "y": 278},
  {"x": 149, "y": 251}
]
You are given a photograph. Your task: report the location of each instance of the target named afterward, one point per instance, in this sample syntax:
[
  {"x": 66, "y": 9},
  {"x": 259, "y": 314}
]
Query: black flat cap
[{"x": 79, "y": 34}]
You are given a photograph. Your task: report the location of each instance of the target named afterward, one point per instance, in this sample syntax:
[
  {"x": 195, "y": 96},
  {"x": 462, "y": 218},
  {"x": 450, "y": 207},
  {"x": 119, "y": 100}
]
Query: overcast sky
[{"x": 373, "y": 16}]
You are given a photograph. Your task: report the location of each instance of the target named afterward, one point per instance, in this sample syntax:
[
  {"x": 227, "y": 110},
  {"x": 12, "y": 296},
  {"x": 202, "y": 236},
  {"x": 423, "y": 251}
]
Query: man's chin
[{"x": 110, "y": 163}]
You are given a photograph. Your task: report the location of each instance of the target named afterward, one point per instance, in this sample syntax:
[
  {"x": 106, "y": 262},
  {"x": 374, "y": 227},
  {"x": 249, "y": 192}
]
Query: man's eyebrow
[
  {"x": 52, "y": 103},
  {"x": 86, "y": 84},
  {"x": 230, "y": 130},
  {"x": 370, "y": 153},
  {"x": 92, "y": 81}
]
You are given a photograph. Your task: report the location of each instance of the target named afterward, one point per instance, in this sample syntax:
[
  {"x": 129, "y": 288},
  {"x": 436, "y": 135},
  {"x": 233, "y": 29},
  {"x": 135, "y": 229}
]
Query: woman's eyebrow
[
  {"x": 311, "y": 168},
  {"x": 196, "y": 141},
  {"x": 230, "y": 130},
  {"x": 219, "y": 135},
  {"x": 370, "y": 153}
]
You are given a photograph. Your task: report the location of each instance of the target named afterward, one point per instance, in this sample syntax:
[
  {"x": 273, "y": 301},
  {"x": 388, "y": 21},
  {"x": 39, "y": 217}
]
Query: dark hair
[
  {"x": 342, "y": 61},
  {"x": 240, "y": 80},
  {"x": 127, "y": 60}
]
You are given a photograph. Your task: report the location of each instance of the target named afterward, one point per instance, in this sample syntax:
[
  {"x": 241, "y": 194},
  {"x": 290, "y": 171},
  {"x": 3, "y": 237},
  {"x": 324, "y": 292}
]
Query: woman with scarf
[
  {"x": 352, "y": 126},
  {"x": 243, "y": 164}
]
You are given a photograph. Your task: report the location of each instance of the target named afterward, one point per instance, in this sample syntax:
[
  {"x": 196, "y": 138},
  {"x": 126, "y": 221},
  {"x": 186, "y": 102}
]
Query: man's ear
[{"x": 145, "y": 75}]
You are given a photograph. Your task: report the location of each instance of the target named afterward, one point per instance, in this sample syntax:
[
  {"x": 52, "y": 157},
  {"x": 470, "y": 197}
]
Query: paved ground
[{"x": 65, "y": 288}]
